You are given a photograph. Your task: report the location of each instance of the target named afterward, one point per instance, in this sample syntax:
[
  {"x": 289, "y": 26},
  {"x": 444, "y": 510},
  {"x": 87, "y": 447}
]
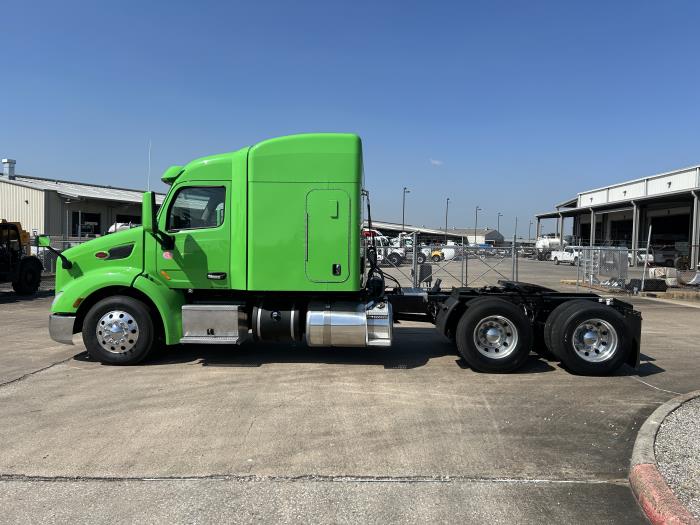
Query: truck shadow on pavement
[
  {"x": 9, "y": 297},
  {"x": 646, "y": 368},
  {"x": 412, "y": 348}
]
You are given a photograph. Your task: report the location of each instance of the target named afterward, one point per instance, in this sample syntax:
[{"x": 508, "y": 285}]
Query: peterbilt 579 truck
[{"x": 263, "y": 245}]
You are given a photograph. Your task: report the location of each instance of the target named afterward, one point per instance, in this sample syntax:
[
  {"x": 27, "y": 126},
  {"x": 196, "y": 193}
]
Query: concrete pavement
[{"x": 268, "y": 432}]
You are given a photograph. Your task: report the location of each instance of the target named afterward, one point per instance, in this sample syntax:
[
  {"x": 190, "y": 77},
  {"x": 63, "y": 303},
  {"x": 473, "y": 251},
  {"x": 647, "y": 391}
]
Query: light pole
[
  {"x": 476, "y": 220},
  {"x": 516, "y": 228},
  {"x": 528, "y": 230},
  {"x": 403, "y": 208},
  {"x": 498, "y": 222},
  {"x": 447, "y": 209}
]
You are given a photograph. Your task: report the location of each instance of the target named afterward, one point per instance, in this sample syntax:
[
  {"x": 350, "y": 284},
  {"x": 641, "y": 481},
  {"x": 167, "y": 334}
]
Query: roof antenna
[{"x": 148, "y": 184}]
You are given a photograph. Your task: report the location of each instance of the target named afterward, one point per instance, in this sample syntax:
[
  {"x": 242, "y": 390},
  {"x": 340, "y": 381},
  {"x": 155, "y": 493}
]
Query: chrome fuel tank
[{"x": 348, "y": 323}]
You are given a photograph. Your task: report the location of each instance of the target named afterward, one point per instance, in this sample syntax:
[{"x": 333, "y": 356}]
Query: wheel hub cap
[
  {"x": 595, "y": 340},
  {"x": 495, "y": 337},
  {"x": 590, "y": 338},
  {"x": 117, "y": 331}
]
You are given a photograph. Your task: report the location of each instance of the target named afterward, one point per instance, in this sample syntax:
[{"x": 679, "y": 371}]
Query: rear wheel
[
  {"x": 553, "y": 320},
  {"x": 493, "y": 335},
  {"x": 420, "y": 257},
  {"x": 118, "y": 331},
  {"x": 436, "y": 258},
  {"x": 556, "y": 260},
  {"x": 574, "y": 262},
  {"x": 591, "y": 340},
  {"x": 29, "y": 277}
]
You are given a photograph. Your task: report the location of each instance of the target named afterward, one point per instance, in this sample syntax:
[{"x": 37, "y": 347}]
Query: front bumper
[{"x": 61, "y": 328}]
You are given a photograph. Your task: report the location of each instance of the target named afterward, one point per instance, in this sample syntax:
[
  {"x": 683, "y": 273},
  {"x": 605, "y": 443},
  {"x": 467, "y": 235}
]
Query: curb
[{"x": 656, "y": 498}]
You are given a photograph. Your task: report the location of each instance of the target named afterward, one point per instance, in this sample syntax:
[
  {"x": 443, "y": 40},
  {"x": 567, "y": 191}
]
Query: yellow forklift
[{"x": 17, "y": 265}]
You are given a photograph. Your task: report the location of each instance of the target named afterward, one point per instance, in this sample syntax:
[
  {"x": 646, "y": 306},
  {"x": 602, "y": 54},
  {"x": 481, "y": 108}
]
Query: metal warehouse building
[
  {"x": 71, "y": 210},
  {"x": 621, "y": 214},
  {"x": 435, "y": 235}
]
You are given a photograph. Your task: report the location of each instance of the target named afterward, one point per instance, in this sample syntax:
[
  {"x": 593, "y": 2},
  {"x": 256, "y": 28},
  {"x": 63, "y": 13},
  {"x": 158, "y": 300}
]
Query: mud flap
[{"x": 633, "y": 321}]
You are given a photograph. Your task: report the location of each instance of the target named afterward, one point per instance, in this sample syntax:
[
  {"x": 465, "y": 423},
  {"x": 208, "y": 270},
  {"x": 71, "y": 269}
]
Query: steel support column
[
  {"x": 695, "y": 233},
  {"x": 537, "y": 233},
  {"x": 561, "y": 230},
  {"x": 635, "y": 232},
  {"x": 592, "y": 240}
]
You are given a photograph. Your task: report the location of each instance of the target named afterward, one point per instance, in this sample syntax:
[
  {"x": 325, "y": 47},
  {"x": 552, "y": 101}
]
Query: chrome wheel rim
[
  {"x": 117, "y": 331},
  {"x": 495, "y": 337},
  {"x": 595, "y": 340}
]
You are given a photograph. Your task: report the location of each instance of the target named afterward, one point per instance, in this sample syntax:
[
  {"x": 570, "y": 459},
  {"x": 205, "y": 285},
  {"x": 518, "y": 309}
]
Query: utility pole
[
  {"x": 447, "y": 209},
  {"x": 476, "y": 220},
  {"x": 498, "y": 222},
  {"x": 528, "y": 230},
  {"x": 403, "y": 208},
  {"x": 516, "y": 227}
]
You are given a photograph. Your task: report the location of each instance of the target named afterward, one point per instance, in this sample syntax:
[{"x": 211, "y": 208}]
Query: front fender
[
  {"x": 169, "y": 303},
  {"x": 75, "y": 291}
]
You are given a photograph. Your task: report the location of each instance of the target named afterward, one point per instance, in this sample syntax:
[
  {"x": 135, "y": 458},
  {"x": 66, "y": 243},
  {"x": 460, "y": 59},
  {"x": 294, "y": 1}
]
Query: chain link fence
[
  {"x": 48, "y": 258},
  {"x": 631, "y": 270},
  {"x": 414, "y": 265}
]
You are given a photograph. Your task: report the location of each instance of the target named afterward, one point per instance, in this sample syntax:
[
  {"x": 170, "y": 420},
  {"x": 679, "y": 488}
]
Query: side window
[{"x": 197, "y": 207}]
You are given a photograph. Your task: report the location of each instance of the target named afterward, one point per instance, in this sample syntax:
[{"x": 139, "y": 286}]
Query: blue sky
[{"x": 512, "y": 106}]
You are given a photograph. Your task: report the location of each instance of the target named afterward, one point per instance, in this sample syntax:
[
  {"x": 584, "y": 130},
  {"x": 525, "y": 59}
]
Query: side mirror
[
  {"x": 148, "y": 212},
  {"x": 43, "y": 241},
  {"x": 150, "y": 222}
]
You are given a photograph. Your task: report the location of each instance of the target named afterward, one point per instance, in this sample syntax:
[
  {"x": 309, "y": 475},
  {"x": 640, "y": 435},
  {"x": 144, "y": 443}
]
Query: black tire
[
  {"x": 553, "y": 320},
  {"x": 478, "y": 311},
  {"x": 580, "y": 361},
  {"x": 556, "y": 261},
  {"x": 29, "y": 277},
  {"x": 395, "y": 259},
  {"x": 421, "y": 257},
  {"x": 574, "y": 262},
  {"x": 143, "y": 344},
  {"x": 436, "y": 258}
]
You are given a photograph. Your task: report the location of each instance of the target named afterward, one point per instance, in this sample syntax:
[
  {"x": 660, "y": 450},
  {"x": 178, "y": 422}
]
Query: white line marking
[{"x": 655, "y": 387}]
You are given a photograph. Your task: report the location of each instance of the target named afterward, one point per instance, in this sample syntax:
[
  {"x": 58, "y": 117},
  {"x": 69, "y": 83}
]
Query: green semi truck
[{"x": 264, "y": 244}]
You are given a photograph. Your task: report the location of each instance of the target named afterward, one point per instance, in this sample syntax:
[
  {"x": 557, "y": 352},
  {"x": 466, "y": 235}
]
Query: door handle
[{"x": 216, "y": 276}]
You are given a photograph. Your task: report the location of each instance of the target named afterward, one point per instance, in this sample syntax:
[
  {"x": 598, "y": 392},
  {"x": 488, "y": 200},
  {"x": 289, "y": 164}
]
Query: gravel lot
[{"x": 678, "y": 453}]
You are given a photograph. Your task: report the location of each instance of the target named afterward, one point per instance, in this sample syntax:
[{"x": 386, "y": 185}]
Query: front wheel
[
  {"x": 574, "y": 262},
  {"x": 421, "y": 257},
  {"x": 556, "y": 261},
  {"x": 118, "y": 330},
  {"x": 494, "y": 335},
  {"x": 436, "y": 258},
  {"x": 591, "y": 339}
]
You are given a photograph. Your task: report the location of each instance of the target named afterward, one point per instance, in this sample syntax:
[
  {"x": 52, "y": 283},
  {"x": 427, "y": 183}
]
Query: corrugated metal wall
[
  {"x": 20, "y": 204},
  {"x": 55, "y": 214}
]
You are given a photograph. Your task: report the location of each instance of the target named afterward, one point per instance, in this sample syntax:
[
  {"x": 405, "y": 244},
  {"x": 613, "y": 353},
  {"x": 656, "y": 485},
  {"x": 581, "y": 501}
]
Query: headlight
[{"x": 56, "y": 298}]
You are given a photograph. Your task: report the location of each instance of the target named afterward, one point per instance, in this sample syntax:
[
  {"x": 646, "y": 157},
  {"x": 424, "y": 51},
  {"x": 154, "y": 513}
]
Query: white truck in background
[
  {"x": 546, "y": 244},
  {"x": 567, "y": 255}
]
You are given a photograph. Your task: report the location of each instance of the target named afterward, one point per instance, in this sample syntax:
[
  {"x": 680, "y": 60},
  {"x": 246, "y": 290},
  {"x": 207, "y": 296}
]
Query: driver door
[{"x": 198, "y": 219}]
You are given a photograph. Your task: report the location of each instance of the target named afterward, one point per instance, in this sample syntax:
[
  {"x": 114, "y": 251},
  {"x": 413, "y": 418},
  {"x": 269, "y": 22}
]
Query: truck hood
[{"x": 83, "y": 255}]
